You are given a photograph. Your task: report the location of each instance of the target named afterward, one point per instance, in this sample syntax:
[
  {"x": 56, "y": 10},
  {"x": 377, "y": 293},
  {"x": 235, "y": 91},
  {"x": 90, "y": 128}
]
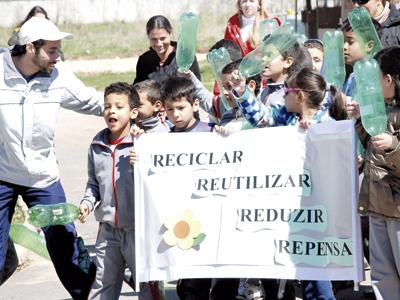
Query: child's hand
[
  {"x": 238, "y": 83},
  {"x": 304, "y": 124},
  {"x": 133, "y": 157},
  {"x": 353, "y": 110},
  {"x": 136, "y": 131},
  {"x": 186, "y": 74},
  {"x": 222, "y": 130},
  {"x": 382, "y": 141},
  {"x": 83, "y": 212}
]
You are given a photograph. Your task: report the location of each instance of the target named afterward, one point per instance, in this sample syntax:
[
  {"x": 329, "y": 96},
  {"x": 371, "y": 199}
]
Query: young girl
[
  {"x": 380, "y": 188},
  {"x": 278, "y": 70},
  {"x": 304, "y": 94}
]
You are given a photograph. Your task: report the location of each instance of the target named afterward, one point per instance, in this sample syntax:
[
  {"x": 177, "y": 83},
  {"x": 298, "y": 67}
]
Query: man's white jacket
[{"x": 28, "y": 116}]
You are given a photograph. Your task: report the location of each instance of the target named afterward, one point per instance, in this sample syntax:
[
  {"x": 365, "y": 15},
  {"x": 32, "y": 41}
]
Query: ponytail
[{"x": 337, "y": 107}]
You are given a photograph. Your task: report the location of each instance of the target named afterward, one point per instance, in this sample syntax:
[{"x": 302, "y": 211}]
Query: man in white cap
[{"x": 34, "y": 83}]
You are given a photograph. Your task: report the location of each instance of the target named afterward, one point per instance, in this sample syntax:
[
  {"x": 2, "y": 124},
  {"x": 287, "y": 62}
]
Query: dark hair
[
  {"x": 158, "y": 22},
  {"x": 389, "y": 62},
  {"x": 232, "y": 66},
  {"x": 33, "y": 12},
  {"x": 233, "y": 49},
  {"x": 176, "y": 88},
  {"x": 19, "y": 50},
  {"x": 314, "y": 44},
  {"x": 301, "y": 58},
  {"x": 346, "y": 26},
  {"x": 314, "y": 85},
  {"x": 124, "y": 88},
  {"x": 151, "y": 88}
]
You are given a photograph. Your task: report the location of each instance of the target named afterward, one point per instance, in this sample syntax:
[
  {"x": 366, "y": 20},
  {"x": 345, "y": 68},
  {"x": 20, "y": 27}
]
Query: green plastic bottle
[
  {"x": 279, "y": 41},
  {"x": 186, "y": 48},
  {"x": 370, "y": 96},
  {"x": 29, "y": 239},
  {"x": 335, "y": 72},
  {"x": 218, "y": 59},
  {"x": 267, "y": 27},
  {"x": 365, "y": 32},
  {"x": 52, "y": 214}
]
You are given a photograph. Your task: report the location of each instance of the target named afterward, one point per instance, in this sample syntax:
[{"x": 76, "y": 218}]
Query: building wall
[{"x": 99, "y": 11}]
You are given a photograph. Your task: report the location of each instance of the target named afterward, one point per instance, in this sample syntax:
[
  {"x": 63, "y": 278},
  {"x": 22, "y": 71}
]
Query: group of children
[{"x": 290, "y": 91}]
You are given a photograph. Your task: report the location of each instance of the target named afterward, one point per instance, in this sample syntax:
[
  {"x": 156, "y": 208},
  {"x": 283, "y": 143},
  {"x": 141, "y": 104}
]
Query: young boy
[
  {"x": 109, "y": 191},
  {"x": 316, "y": 49},
  {"x": 352, "y": 53},
  {"x": 149, "y": 112},
  {"x": 182, "y": 109},
  {"x": 181, "y": 106}
]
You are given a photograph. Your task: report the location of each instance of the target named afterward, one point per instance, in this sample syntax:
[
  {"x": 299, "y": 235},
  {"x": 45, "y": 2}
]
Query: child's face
[
  {"x": 275, "y": 69},
  {"x": 317, "y": 58},
  {"x": 292, "y": 102},
  {"x": 388, "y": 86},
  {"x": 118, "y": 114},
  {"x": 181, "y": 112},
  {"x": 147, "y": 109},
  {"x": 351, "y": 48},
  {"x": 227, "y": 89}
]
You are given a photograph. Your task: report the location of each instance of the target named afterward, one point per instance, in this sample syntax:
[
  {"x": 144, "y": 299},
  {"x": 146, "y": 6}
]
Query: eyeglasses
[
  {"x": 288, "y": 90},
  {"x": 360, "y": 2}
]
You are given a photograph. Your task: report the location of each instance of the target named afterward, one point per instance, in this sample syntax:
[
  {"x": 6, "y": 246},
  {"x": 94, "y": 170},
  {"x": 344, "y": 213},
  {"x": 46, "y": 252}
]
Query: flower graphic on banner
[{"x": 183, "y": 230}]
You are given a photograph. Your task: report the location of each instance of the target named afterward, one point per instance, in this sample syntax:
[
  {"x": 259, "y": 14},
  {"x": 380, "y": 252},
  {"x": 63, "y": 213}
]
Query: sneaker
[{"x": 250, "y": 289}]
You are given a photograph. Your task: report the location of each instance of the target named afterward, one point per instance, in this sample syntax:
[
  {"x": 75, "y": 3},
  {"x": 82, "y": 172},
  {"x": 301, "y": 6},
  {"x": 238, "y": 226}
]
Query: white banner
[{"x": 262, "y": 203}]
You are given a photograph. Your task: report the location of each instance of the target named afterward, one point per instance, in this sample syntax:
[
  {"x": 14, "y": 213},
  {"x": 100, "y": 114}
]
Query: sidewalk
[{"x": 112, "y": 65}]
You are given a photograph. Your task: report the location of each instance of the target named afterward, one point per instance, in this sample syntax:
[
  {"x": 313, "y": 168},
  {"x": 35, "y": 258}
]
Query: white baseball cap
[{"x": 37, "y": 28}]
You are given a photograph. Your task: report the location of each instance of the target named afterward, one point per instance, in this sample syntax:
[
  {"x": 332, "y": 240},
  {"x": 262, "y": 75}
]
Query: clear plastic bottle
[
  {"x": 29, "y": 239},
  {"x": 186, "y": 48},
  {"x": 267, "y": 27},
  {"x": 52, "y": 214},
  {"x": 370, "y": 96},
  {"x": 335, "y": 72},
  {"x": 365, "y": 32},
  {"x": 279, "y": 41},
  {"x": 218, "y": 59}
]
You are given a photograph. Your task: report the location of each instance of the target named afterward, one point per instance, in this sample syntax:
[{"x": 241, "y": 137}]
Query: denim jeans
[
  {"x": 317, "y": 290},
  {"x": 61, "y": 240}
]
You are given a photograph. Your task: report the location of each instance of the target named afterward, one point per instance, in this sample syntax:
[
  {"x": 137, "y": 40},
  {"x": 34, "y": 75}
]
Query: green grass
[
  {"x": 122, "y": 39},
  {"x": 101, "y": 80}
]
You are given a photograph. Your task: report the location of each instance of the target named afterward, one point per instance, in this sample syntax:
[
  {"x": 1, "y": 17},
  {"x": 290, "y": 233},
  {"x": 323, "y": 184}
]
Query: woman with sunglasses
[{"x": 387, "y": 15}]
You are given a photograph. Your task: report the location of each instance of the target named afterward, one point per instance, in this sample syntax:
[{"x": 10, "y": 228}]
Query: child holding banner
[
  {"x": 380, "y": 188},
  {"x": 182, "y": 110},
  {"x": 109, "y": 192},
  {"x": 304, "y": 95}
]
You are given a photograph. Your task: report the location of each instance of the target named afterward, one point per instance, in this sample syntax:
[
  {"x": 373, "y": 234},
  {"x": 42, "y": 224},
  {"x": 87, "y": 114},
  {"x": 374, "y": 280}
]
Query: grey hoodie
[{"x": 110, "y": 186}]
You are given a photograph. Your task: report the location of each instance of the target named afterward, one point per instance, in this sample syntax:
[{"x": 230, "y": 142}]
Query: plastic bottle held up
[
  {"x": 267, "y": 27},
  {"x": 29, "y": 239},
  {"x": 52, "y": 214},
  {"x": 370, "y": 96},
  {"x": 186, "y": 48},
  {"x": 218, "y": 59},
  {"x": 335, "y": 72},
  {"x": 364, "y": 31},
  {"x": 279, "y": 41}
]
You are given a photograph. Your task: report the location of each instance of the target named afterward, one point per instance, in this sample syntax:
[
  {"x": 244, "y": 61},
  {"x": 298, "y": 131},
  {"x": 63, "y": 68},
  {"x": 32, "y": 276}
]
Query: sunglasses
[
  {"x": 360, "y": 2},
  {"x": 288, "y": 90}
]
